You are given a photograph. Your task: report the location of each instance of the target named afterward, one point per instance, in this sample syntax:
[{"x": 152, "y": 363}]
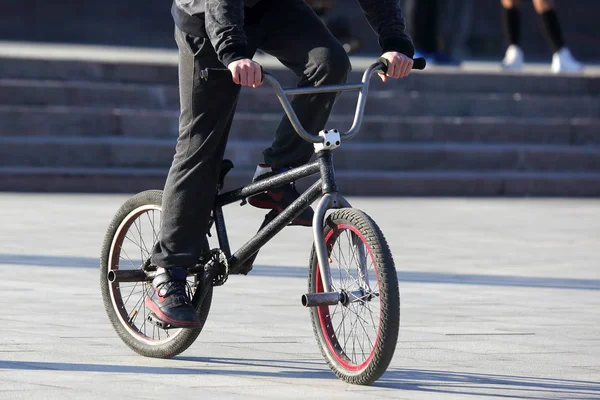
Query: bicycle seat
[{"x": 226, "y": 166}]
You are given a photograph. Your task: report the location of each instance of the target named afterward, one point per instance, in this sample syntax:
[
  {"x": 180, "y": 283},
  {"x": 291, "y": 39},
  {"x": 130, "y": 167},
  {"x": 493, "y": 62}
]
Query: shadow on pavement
[
  {"x": 441, "y": 382},
  {"x": 212, "y": 366},
  {"x": 488, "y": 385},
  {"x": 302, "y": 272}
]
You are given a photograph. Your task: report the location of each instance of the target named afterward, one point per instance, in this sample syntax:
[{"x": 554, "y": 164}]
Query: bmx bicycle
[{"x": 352, "y": 295}]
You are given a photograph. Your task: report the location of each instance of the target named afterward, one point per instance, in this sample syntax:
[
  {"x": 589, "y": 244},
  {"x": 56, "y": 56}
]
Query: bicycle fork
[{"x": 331, "y": 199}]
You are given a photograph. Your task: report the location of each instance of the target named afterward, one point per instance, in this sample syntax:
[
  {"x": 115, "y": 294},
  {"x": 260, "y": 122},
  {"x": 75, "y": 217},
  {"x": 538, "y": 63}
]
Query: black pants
[
  {"x": 288, "y": 30},
  {"x": 422, "y": 24}
]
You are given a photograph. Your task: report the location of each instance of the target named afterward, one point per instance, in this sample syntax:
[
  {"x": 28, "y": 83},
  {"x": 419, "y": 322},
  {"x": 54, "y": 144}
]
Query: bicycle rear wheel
[
  {"x": 127, "y": 245},
  {"x": 357, "y": 337}
]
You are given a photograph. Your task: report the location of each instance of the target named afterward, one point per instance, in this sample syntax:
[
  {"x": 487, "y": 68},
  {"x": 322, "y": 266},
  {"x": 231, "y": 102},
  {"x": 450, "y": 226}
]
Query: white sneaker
[
  {"x": 563, "y": 61},
  {"x": 514, "y": 58}
]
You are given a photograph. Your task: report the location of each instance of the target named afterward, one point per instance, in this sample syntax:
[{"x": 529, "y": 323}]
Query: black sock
[
  {"x": 552, "y": 28},
  {"x": 512, "y": 25}
]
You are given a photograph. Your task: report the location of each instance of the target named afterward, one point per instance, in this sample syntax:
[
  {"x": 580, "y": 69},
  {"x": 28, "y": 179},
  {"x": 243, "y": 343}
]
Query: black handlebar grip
[
  {"x": 215, "y": 73},
  {"x": 418, "y": 63}
]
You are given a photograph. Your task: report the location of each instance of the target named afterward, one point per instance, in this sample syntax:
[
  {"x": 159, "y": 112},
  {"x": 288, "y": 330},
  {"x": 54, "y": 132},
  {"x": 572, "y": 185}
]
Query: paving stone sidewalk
[{"x": 500, "y": 299}]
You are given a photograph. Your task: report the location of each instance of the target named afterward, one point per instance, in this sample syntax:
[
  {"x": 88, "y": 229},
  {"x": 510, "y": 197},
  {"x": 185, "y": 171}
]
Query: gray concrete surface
[{"x": 500, "y": 299}]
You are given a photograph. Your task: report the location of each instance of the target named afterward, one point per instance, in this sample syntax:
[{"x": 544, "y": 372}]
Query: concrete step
[
  {"x": 163, "y": 70},
  {"x": 93, "y": 122},
  {"x": 144, "y": 153},
  {"x": 353, "y": 182},
  {"x": 263, "y": 100}
]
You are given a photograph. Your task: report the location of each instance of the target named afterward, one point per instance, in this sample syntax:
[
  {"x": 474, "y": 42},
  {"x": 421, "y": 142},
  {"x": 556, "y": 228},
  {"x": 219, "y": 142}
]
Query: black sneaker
[
  {"x": 170, "y": 302},
  {"x": 279, "y": 198}
]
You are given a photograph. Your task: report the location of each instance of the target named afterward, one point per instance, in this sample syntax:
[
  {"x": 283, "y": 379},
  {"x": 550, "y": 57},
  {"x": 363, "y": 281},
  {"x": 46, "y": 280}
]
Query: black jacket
[{"x": 222, "y": 22}]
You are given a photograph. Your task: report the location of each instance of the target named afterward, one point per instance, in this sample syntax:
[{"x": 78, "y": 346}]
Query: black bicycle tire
[{"x": 389, "y": 297}]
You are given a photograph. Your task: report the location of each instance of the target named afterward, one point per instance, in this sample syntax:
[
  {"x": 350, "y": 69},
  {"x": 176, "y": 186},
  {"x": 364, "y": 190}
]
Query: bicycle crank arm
[{"x": 332, "y": 298}]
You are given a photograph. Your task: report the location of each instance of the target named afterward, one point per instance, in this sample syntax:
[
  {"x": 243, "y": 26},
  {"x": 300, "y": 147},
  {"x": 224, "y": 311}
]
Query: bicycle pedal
[{"x": 154, "y": 320}]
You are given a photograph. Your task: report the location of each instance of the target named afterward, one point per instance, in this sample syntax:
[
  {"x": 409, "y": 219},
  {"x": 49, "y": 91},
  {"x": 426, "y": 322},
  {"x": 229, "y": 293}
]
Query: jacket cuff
[
  {"x": 401, "y": 45},
  {"x": 233, "y": 53}
]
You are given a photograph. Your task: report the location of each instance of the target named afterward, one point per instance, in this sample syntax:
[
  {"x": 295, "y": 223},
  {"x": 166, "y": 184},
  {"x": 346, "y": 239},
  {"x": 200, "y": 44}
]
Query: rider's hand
[
  {"x": 399, "y": 65},
  {"x": 246, "y": 72}
]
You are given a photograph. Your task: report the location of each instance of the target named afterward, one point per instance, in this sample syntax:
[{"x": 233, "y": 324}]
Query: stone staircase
[{"x": 96, "y": 126}]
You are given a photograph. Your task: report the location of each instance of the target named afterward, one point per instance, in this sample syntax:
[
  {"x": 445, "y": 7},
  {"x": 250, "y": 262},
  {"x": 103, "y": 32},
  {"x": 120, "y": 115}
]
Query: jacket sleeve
[
  {"x": 387, "y": 20},
  {"x": 224, "y": 21}
]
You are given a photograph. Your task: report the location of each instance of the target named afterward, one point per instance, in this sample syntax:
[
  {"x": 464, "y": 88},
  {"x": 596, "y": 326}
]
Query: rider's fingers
[
  {"x": 408, "y": 67},
  {"x": 257, "y": 76},
  {"x": 391, "y": 72},
  {"x": 244, "y": 76},
  {"x": 235, "y": 76}
]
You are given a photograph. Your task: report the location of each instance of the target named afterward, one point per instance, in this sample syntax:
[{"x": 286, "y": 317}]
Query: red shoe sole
[{"x": 164, "y": 318}]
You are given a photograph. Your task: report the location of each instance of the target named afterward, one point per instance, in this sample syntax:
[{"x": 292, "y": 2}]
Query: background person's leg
[
  {"x": 562, "y": 60},
  {"x": 423, "y": 27},
  {"x": 422, "y": 24},
  {"x": 511, "y": 22}
]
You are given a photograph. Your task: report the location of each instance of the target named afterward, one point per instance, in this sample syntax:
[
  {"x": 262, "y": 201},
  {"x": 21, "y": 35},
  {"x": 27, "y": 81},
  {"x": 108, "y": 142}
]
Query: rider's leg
[
  {"x": 296, "y": 36},
  {"x": 562, "y": 60},
  {"x": 206, "y": 113}
]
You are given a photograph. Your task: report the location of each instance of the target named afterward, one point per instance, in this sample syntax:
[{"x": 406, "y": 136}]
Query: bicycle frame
[{"x": 325, "y": 187}]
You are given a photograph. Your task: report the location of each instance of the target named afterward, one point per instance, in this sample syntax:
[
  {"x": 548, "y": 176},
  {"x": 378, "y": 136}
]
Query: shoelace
[{"x": 180, "y": 290}]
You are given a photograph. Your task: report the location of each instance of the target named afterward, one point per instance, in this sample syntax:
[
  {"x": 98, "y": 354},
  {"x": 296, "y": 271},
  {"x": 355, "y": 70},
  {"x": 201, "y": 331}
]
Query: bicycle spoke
[
  {"x": 362, "y": 344},
  {"x": 130, "y": 293},
  {"x": 352, "y": 327},
  {"x": 128, "y": 259},
  {"x": 334, "y": 311},
  {"x": 367, "y": 333},
  {"x": 154, "y": 238},
  {"x": 133, "y": 293},
  {"x": 145, "y": 318},
  {"x": 344, "y": 265},
  {"x": 142, "y": 241},
  {"x": 133, "y": 241},
  {"x": 359, "y": 317},
  {"x": 357, "y": 340},
  {"x": 137, "y": 303},
  {"x": 341, "y": 324}
]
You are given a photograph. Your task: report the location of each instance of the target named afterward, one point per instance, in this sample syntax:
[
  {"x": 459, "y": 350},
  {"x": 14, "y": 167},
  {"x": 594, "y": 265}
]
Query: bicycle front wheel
[{"x": 357, "y": 337}]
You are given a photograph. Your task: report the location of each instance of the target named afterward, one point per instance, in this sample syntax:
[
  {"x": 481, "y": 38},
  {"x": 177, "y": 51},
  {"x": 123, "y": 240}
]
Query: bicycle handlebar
[{"x": 380, "y": 65}]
